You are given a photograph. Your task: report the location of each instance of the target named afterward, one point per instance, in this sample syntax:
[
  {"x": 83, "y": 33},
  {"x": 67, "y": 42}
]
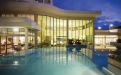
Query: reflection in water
[{"x": 48, "y": 61}]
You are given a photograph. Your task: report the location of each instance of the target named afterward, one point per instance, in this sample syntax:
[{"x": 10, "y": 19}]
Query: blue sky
[{"x": 111, "y": 10}]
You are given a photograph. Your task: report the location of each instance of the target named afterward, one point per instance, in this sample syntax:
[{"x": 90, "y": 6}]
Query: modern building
[
  {"x": 103, "y": 39},
  {"x": 16, "y": 32},
  {"x": 49, "y": 25},
  {"x": 117, "y": 30}
]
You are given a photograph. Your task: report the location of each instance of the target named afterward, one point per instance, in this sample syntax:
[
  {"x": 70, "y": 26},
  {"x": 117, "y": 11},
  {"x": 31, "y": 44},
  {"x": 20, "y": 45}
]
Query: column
[
  {"x": 67, "y": 31},
  {"x": 36, "y": 18},
  {"x": 36, "y": 39},
  {"x": 104, "y": 42},
  {"x": 36, "y": 33},
  {"x": 26, "y": 38},
  {"x": 93, "y": 39}
]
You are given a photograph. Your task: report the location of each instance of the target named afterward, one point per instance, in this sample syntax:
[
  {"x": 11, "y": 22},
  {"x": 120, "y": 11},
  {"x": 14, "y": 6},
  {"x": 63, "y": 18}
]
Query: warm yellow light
[{"x": 15, "y": 29}]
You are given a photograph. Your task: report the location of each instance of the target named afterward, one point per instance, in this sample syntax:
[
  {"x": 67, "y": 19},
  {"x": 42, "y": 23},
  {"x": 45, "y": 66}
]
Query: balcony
[{"x": 115, "y": 44}]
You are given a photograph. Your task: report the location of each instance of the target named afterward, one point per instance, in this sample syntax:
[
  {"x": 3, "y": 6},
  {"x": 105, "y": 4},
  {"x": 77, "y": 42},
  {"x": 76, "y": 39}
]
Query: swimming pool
[{"x": 49, "y": 61}]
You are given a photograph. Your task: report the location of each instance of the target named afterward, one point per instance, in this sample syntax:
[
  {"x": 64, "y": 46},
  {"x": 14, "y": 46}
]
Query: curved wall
[{"x": 45, "y": 9}]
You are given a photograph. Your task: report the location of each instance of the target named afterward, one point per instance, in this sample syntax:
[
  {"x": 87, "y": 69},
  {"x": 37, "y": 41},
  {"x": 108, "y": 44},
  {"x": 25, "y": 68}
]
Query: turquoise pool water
[{"x": 49, "y": 61}]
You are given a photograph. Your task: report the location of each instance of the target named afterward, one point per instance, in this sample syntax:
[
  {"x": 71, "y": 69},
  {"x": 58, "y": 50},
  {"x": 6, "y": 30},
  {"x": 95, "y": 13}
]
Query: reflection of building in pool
[
  {"x": 58, "y": 25},
  {"x": 23, "y": 61},
  {"x": 41, "y": 61}
]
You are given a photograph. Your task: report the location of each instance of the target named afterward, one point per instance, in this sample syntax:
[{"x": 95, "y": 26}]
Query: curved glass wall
[
  {"x": 56, "y": 32},
  {"x": 53, "y": 30}
]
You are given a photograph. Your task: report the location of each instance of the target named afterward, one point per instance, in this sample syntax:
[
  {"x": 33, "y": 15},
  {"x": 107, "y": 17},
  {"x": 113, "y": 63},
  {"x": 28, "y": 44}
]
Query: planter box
[{"x": 114, "y": 62}]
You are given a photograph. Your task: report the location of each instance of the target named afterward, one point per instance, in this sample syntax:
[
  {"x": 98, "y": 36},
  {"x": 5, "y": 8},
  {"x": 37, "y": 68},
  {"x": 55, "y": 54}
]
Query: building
[
  {"x": 57, "y": 25},
  {"x": 107, "y": 39},
  {"x": 103, "y": 38},
  {"x": 117, "y": 30}
]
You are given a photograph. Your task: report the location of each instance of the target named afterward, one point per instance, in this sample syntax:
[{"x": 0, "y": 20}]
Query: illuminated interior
[
  {"x": 103, "y": 41},
  {"x": 11, "y": 38},
  {"x": 56, "y": 31}
]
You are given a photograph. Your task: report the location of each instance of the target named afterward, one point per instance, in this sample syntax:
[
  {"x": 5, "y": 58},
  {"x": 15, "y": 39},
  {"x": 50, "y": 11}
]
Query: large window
[
  {"x": 31, "y": 16},
  {"x": 56, "y": 31},
  {"x": 13, "y": 40},
  {"x": 7, "y": 15},
  {"x": 53, "y": 30}
]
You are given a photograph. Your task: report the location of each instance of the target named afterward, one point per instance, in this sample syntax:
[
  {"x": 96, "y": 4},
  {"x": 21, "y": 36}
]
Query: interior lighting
[{"x": 15, "y": 29}]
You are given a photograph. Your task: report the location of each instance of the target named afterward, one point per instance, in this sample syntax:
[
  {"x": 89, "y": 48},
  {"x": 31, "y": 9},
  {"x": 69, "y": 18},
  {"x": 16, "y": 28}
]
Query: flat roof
[
  {"x": 105, "y": 32},
  {"x": 45, "y": 9},
  {"x": 8, "y": 22}
]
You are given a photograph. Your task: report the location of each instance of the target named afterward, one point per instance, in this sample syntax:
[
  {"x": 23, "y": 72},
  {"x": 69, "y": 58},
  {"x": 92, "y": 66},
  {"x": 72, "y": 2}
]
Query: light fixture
[
  {"x": 110, "y": 26},
  {"x": 99, "y": 28},
  {"x": 15, "y": 29}
]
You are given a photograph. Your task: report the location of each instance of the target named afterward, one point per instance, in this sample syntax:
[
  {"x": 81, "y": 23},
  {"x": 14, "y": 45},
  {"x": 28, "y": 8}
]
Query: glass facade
[
  {"x": 56, "y": 31},
  {"x": 103, "y": 41},
  {"x": 13, "y": 39}
]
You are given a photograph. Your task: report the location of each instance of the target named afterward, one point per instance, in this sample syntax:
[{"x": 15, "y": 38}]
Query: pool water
[{"x": 51, "y": 61}]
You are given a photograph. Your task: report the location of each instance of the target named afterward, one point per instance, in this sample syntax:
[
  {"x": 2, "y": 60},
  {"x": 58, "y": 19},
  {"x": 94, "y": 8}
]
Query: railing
[{"x": 115, "y": 44}]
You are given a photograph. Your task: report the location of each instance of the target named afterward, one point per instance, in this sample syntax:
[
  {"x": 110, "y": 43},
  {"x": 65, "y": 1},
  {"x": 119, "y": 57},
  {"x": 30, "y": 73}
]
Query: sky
[{"x": 111, "y": 10}]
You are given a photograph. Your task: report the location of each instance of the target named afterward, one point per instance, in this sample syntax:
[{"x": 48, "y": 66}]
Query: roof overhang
[
  {"x": 8, "y": 22},
  {"x": 45, "y": 9},
  {"x": 105, "y": 32}
]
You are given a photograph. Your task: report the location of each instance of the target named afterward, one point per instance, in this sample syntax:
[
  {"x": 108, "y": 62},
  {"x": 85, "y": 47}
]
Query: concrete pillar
[
  {"x": 36, "y": 18},
  {"x": 67, "y": 32},
  {"x": 26, "y": 38},
  {"x": 104, "y": 42},
  {"x": 36, "y": 39}
]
